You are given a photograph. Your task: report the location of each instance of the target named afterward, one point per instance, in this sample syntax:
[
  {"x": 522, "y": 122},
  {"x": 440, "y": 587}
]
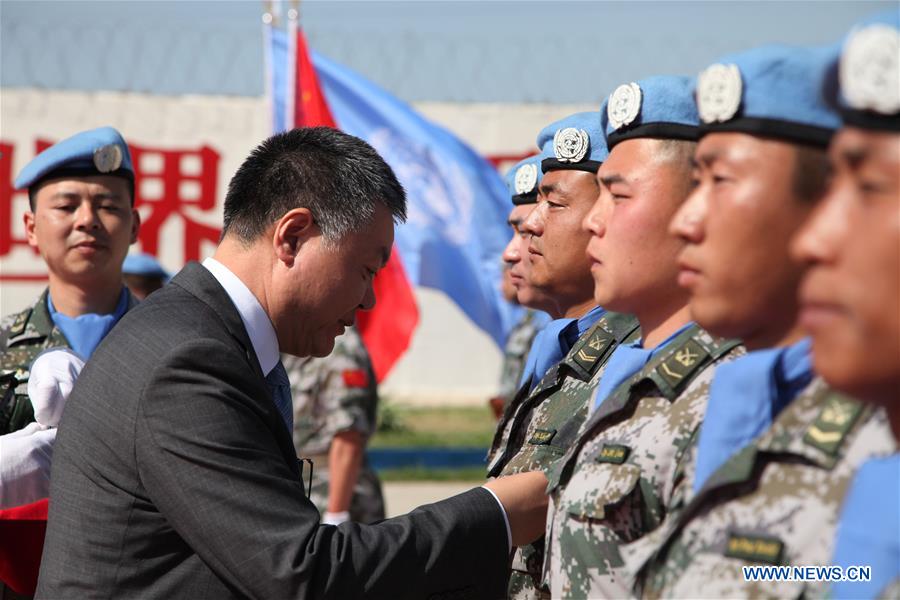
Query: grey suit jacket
[{"x": 175, "y": 477}]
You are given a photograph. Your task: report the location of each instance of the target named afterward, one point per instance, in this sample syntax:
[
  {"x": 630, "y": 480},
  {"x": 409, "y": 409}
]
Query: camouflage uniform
[
  {"x": 331, "y": 395},
  {"x": 515, "y": 353},
  {"x": 538, "y": 427},
  {"x": 615, "y": 483},
  {"x": 23, "y": 336},
  {"x": 776, "y": 502}
]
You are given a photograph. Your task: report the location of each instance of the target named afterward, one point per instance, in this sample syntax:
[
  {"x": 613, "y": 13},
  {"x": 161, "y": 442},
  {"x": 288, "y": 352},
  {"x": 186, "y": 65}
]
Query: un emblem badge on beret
[
  {"x": 526, "y": 178},
  {"x": 870, "y": 69},
  {"x": 624, "y": 105},
  {"x": 719, "y": 89},
  {"x": 108, "y": 158},
  {"x": 570, "y": 144}
]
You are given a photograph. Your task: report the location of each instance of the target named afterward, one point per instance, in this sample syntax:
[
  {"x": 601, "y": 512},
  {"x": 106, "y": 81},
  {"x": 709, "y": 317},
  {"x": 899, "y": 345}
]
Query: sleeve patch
[{"x": 355, "y": 378}]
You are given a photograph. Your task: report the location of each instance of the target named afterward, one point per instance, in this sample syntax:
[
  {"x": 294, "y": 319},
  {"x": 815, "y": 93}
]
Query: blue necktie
[
  {"x": 744, "y": 398},
  {"x": 280, "y": 387}
]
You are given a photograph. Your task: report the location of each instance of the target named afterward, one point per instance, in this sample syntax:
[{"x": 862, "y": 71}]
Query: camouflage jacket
[
  {"x": 515, "y": 353},
  {"x": 23, "y": 336},
  {"x": 334, "y": 394},
  {"x": 615, "y": 483},
  {"x": 538, "y": 427},
  {"x": 776, "y": 502}
]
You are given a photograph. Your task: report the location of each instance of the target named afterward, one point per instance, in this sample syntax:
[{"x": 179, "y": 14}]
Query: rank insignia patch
[
  {"x": 542, "y": 437},
  {"x": 828, "y": 430}
]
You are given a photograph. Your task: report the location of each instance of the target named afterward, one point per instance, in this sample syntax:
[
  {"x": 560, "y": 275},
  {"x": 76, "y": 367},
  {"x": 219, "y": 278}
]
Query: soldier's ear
[
  {"x": 291, "y": 231},
  {"x": 30, "y": 236},
  {"x": 135, "y": 224}
]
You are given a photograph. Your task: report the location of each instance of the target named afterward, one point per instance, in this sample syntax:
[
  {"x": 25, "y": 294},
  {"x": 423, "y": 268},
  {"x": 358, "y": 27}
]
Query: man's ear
[
  {"x": 292, "y": 230},
  {"x": 30, "y": 236}
]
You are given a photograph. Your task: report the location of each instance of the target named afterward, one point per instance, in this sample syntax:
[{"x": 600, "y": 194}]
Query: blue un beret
[
  {"x": 574, "y": 143},
  {"x": 522, "y": 180},
  {"x": 772, "y": 91},
  {"x": 864, "y": 81},
  {"x": 143, "y": 264},
  {"x": 100, "y": 151},
  {"x": 659, "y": 107}
]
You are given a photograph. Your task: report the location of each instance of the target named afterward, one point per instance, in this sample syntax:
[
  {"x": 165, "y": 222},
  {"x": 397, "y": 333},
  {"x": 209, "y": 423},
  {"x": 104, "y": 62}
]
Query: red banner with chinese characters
[{"x": 170, "y": 185}]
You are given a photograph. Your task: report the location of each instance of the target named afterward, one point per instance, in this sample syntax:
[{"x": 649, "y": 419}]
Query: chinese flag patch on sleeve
[{"x": 356, "y": 378}]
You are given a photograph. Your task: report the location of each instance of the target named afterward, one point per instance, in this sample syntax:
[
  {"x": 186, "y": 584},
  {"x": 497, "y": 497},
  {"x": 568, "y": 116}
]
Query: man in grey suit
[{"x": 175, "y": 474}]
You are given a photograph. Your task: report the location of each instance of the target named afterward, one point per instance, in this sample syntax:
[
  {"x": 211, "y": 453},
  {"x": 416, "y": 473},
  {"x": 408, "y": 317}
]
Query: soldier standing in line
[
  {"x": 613, "y": 484},
  {"x": 522, "y": 181},
  {"x": 762, "y": 482},
  {"x": 570, "y": 353},
  {"x": 335, "y": 408},
  {"x": 851, "y": 293},
  {"x": 82, "y": 220}
]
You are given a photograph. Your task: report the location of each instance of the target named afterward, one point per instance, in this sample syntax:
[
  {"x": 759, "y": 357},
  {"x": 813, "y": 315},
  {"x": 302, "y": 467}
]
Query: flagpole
[
  {"x": 268, "y": 21},
  {"x": 291, "y": 80}
]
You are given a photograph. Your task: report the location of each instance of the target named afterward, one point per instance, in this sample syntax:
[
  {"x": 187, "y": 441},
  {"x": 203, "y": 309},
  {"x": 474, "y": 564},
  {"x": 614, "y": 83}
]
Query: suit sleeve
[{"x": 208, "y": 455}]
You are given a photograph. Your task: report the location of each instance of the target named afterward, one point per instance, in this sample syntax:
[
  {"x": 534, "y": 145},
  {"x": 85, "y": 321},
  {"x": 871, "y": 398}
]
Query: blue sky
[{"x": 556, "y": 52}]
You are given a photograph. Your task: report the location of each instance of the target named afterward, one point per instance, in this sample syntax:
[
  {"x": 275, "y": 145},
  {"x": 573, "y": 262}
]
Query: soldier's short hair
[
  {"x": 338, "y": 177},
  {"x": 680, "y": 153}
]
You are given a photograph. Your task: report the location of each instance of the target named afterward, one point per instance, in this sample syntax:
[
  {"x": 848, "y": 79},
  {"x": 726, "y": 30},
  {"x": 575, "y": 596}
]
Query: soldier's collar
[
  {"x": 814, "y": 425},
  {"x": 675, "y": 367},
  {"x": 590, "y": 350}
]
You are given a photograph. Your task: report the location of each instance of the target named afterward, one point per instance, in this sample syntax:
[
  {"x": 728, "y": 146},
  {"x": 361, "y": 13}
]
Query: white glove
[
  {"x": 25, "y": 465},
  {"x": 53, "y": 374},
  {"x": 335, "y": 518}
]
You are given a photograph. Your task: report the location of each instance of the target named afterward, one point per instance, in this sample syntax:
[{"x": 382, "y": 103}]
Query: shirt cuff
[{"x": 505, "y": 518}]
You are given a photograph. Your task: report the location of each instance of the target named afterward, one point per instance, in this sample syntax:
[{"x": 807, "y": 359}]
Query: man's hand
[{"x": 525, "y": 500}]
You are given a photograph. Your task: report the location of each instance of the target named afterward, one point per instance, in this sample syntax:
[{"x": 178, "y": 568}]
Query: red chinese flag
[
  {"x": 22, "y": 532},
  {"x": 388, "y": 328}
]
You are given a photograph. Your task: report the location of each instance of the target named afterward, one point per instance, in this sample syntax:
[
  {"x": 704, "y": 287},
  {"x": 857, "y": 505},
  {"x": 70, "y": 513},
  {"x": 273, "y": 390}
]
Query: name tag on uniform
[
  {"x": 754, "y": 548},
  {"x": 613, "y": 453},
  {"x": 542, "y": 437}
]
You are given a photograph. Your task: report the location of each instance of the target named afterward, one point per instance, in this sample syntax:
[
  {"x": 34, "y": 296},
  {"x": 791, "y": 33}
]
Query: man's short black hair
[{"x": 338, "y": 177}]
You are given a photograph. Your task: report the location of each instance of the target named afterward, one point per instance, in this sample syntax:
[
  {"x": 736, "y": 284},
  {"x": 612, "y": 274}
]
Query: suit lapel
[{"x": 199, "y": 282}]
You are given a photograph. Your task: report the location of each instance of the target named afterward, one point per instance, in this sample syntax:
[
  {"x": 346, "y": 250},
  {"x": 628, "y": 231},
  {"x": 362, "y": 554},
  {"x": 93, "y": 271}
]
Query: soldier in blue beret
[
  {"x": 569, "y": 354},
  {"x": 760, "y": 171},
  {"x": 522, "y": 181},
  {"x": 850, "y": 295},
  {"x": 613, "y": 484},
  {"x": 81, "y": 220},
  {"x": 143, "y": 274}
]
